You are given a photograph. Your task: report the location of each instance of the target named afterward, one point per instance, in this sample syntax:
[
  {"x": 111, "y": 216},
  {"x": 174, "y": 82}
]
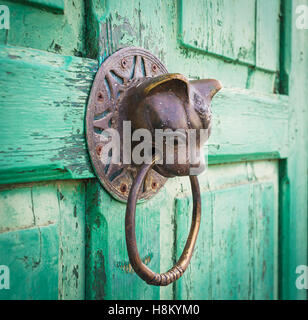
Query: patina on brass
[
  {"x": 179, "y": 268},
  {"x": 170, "y": 101},
  {"x": 132, "y": 85}
]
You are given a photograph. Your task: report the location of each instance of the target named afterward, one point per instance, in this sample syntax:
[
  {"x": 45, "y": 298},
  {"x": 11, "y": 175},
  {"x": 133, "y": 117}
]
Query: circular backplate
[{"x": 117, "y": 73}]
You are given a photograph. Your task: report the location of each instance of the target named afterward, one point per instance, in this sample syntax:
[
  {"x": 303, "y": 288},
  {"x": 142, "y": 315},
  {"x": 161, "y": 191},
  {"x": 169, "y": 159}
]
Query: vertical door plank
[
  {"x": 232, "y": 244},
  {"x": 196, "y": 281},
  {"x": 294, "y": 223},
  {"x": 267, "y": 34},
  {"x": 109, "y": 274},
  {"x": 71, "y": 200},
  {"x": 265, "y": 240}
]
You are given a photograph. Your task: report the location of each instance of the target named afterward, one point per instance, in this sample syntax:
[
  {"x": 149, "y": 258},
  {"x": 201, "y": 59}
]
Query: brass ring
[{"x": 140, "y": 268}]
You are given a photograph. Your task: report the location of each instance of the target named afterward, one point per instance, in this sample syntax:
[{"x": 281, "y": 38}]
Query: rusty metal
[{"x": 133, "y": 85}]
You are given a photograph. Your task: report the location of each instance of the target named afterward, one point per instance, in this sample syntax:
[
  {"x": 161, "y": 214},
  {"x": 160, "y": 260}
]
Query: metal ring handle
[{"x": 140, "y": 268}]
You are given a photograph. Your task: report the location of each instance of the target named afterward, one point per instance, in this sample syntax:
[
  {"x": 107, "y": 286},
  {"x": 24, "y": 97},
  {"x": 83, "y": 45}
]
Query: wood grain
[{"x": 44, "y": 97}]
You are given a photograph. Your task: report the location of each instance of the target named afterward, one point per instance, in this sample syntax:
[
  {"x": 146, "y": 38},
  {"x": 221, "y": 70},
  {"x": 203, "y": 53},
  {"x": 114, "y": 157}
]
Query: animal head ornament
[{"x": 172, "y": 105}]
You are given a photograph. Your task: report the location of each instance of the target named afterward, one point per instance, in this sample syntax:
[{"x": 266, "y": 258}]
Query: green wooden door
[{"x": 62, "y": 235}]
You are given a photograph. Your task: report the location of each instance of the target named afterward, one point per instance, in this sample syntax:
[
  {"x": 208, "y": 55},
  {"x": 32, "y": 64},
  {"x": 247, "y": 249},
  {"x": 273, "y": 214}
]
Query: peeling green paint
[{"x": 67, "y": 237}]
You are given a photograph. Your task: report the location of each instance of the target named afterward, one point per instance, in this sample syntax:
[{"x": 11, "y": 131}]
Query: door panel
[
  {"x": 69, "y": 233},
  {"x": 32, "y": 256},
  {"x": 226, "y": 269},
  {"x": 50, "y": 148},
  {"x": 170, "y": 28},
  {"x": 42, "y": 240},
  {"x": 236, "y": 252},
  {"x": 237, "y": 30},
  {"x": 56, "y": 26}
]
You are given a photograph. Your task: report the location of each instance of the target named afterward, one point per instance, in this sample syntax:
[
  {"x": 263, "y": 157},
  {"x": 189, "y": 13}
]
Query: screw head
[
  {"x": 154, "y": 67},
  {"x": 99, "y": 149},
  {"x": 123, "y": 187},
  {"x": 154, "y": 185},
  {"x": 124, "y": 63},
  {"x": 100, "y": 96}
]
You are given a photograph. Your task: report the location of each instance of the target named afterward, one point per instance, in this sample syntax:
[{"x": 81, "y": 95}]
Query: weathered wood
[
  {"x": 51, "y": 25},
  {"x": 53, "y": 5},
  {"x": 248, "y": 126},
  {"x": 236, "y": 252},
  {"x": 32, "y": 258},
  {"x": 42, "y": 102},
  {"x": 156, "y": 26},
  {"x": 43, "y": 98},
  {"x": 109, "y": 273},
  {"x": 71, "y": 229},
  {"x": 240, "y": 116},
  {"x": 42, "y": 124},
  {"x": 238, "y": 31},
  {"x": 294, "y": 186},
  {"x": 42, "y": 240},
  {"x": 212, "y": 29},
  {"x": 267, "y": 34}
]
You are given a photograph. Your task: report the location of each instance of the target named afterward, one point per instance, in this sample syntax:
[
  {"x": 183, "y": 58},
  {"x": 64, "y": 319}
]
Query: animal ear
[
  {"x": 207, "y": 87},
  {"x": 173, "y": 82}
]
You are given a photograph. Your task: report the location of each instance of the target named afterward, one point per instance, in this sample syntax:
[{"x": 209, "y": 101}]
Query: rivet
[
  {"x": 154, "y": 185},
  {"x": 99, "y": 149},
  {"x": 154, "y": 67},
  {"x": 123, "y": 63},
  {"x": 123, "y": 187},
  {"x": 100, "y": 97}
]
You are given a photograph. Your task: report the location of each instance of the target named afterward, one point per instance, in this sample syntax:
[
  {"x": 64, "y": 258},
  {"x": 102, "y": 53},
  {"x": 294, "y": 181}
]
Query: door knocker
[{"x": 133, "y": 95}]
